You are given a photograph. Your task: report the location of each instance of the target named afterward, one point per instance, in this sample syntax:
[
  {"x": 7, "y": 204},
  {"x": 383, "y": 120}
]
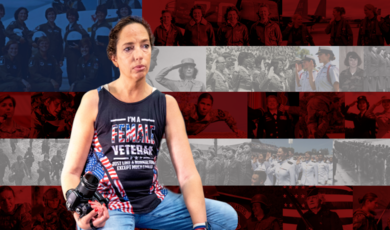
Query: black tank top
[{"x": 126, "y": 141}]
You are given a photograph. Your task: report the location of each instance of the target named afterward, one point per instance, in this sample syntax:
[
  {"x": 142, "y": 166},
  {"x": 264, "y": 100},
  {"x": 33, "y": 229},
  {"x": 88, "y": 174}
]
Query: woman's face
[
  {"x": 71, "y": 18},
  {"x": 368, "y": 13},
  {"x": 255, "y": 179},
  {"x": 22, "y": 16},
  {"x": 84, "y": 50},
  {"x": 43, "y": 46},
  {"x": 7, "y": 201},
  {"x": 100, "y": 16},
  {"x": 256, "y": 207},
  {"x": 232, "y": 16},
  {"x": 386, "y": 104},
  {"x": 323, "y": 58},
  {"x": 51, "y": 16},
  {"x": 260, "y": 157},
  {"x": 7, "y": 107},
  {"x": 353, "y": 63},
  {"x": 188, "y": 71},
  {"x": 197, "y": 15},
  {"x": 134, "y": 52},
  {"x": 204, "y": 106},
  {"x": 336, "y": 13},
  {"x": 124, "y": 12},
  {"x": 298, "y": 21},
  {"x": 247, "y": 149},
  {"x": 167, "y": 18},
  {"x": 307, "y": 156},
  {"x": 372, "y": 205},
  {"x": 53, "y": 203},
  {"x": 281, "y": 154},
  {"x": 54, "y": 107},
  {"x": 13, "y": 50},
  {"x": 362, "y": 105}
]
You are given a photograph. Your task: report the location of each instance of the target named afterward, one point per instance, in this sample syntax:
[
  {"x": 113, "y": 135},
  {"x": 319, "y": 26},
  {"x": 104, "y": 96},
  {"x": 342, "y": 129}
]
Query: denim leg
[
  {"x": 118, "y": 220},
  {"x": 172, "y": 213}
]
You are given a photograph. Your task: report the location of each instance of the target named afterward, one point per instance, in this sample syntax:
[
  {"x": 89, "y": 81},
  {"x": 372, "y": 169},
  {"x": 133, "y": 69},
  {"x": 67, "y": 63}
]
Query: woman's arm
[{"x": 183, "y": 162}]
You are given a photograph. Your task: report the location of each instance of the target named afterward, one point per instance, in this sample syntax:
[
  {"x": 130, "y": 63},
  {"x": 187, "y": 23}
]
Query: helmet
[
  {"x": 260, "y": 198},
  {"x": 74, "y": 36},
  {"x": 18, "y": 32},
  {"x": 102, "y": 34},
  {"x": 37, "y": 35}
]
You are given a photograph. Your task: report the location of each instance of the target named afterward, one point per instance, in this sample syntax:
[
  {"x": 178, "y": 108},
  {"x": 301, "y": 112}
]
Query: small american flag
[{"x": 338, "y": 199}]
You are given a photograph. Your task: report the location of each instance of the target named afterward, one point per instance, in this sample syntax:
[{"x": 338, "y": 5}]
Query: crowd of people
[{"x": 371, "y": 161}]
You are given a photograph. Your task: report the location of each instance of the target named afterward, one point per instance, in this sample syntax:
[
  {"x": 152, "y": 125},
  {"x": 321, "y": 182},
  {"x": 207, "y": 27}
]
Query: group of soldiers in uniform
[
  {"x": 372, "y": 162},
  {"x": 32, "y": 58}
]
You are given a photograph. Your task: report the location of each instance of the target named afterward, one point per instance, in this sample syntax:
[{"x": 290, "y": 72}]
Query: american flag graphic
[
  {"x": 338, "y": 199},
  {"x": 140, "y": 134},
  {"x": 130, "y": 133}
]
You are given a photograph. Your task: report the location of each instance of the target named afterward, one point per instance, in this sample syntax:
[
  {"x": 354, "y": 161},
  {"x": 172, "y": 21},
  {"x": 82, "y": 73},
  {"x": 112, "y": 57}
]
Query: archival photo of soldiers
[
  {"x": 377, "y": 68},
  {"x": 250, "y": 69},
  {"x": 213, "y": 115},
  {"x": 32, "y": 161},
  {"x": 52, "y": 114},
  {"x": 53, "y": 45},
  {"x": 352, "y": 69},
  {"x": 318, "y": 207},
  {"x": 371, "y": 206},
  {"x": 366, "y": 115},
  {"x": 15, "y": 116},
  {"x": 49, "y": 210},
  {"x": 362, "y": 162},
  {"x": 266, "y": 119},
  {"x": 174, "y": 69},
  {"x": 15, "y": 208}
]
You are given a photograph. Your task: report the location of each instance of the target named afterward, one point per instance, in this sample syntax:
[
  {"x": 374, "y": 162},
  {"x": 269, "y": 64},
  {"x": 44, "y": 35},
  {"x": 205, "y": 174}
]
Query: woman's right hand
[
  {"x": 99, "y": 216},
  {"x": 353, "y": 103}
]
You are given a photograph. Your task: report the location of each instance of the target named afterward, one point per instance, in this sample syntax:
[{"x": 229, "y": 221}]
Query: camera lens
[
  {"x": 88, "y": 185},
  {"x": 91, "y": 180}
]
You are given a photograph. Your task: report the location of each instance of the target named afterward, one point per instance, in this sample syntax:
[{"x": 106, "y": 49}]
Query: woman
[
  {"x": 297, "y": 34},
  {"x": 328, "y": 77},
  {"x": 382, "y": 83},
  {"x": 242, "y": 76},
  {"x": 309, "y": 170},
  {"x": 283, "y": 170},
  {"x": 2, "y": 29},
  {"x": 364, "y": 125},
  {"x": 45, "y": 72},
  {"x": 167, "y": 34},
  {"x": 18, "y": 31},
  {"x": 54, "y": 34},
  {"x": 353, "y": 78},
  {"x": 232, "y": 32},
  {"x": 8, "y": 127},
  {"x": 198, "y": 31},
  {"x": 11, "y": 78},
  {"x": 14, "y": 215},
  {"x": 372, "y": 28},
  {"x": 364, "y": 218},
  {"x": 261, "y": 218},
  {"x": 187, "y": 73},
  {"x": 339, "y": 29},
  {"x": 371, "y": 66},
  {"x": 88, "y": 69},
  {"x": 99, "y": 47},
  {"x": 303, "y": 79},
  {"x": 382, "y": 118},
  {"x": 130, "y": 96},
  {"x": 72, "y": 52}
]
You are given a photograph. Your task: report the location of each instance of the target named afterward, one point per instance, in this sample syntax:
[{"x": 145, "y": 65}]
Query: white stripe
[
  {"x": 121, "y": 119},
  {"x": 144, "y": 119},
  {"x": 121, "y": 158}
]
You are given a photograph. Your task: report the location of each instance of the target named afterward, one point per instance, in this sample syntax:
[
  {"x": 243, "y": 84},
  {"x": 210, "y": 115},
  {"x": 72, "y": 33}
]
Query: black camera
[{"x": 77, "y": 199}]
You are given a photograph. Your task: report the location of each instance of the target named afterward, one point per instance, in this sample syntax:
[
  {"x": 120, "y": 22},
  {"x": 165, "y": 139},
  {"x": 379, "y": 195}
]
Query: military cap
[
  {"x": 260, "y": 198},
  {"x": 385, "y": 98},
  {"x": 324, "y": 49},
  {"x": 188, "y": 61},
  {"x": 312, "y": 191},
  {"x": 360, "y": 98}
]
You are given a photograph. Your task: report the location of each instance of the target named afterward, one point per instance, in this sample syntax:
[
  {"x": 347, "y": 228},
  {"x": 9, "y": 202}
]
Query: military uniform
[
  {"x": 228, "y": 35},
  {"x": 246, "y": 171},
  {"x": 242, "y": 80},
  {"x": 322, "y": 82},
  {"x": 284, "y": 172},
  {"x": 199, "y": 34},
  {"x": 363, "y": 220},
  {"x": 2, "y": 37},
  {"x": 45, "y": 125},
  {"x": 101, "y": 53},
  {"x": 88, "y": 72},
  {"x": 211, "y": 171},
  {"x": 10, "y": 74},
  {"x": 323, "y": 172},
  {"x": 268, "y": 34},
  {"x": 309, "y": 171},
  {"x": 218, "y": 82},
  {"x": 44, "y": 170},
  {"x": 57, "y": 163},
  {"x": 72, "y": 55},
  {"x": 18, "y": 169},
  {"x": 382, "y": 81},
  {"x": 279, "y": 127},
  {"x": 195, "y": 125},
  {"x": 231, "y": 171},
  {"x": 4, "y": 162},
  {"x": 55, "y": 37},
  {"x": 171, "y": 37},
  {"x": 179, "y": 85},
  {"x": 298, "y": 36},
  {"x": 29, "y": 159},
  {"x": 340, "y": 33},
  {"x": 323, "y": 220},
  {"x": 20, "y": 218},
  {"x": 42, "y": 71},
  {"x": 305, "y": 83},
  {"x": 352, "y": 83},
  {"x": 371, "y": 32},
  {"x": 364, "y": 127}
]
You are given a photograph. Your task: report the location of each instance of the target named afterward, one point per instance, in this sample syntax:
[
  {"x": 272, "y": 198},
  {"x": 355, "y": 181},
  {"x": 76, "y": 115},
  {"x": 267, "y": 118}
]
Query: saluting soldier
[
  {"x": 217, "y": 80},
  {"x": 364, "y": 126},
  {"x": 284, "y": 170},
  {"x": 99, "y": 29},
  {"x": 232, "y": 32},
  {"x": 339, "y": 29},
  {"x": 45, "y": 72},
  {"x": 303, "y": 81},
  {"x": 198, "y": 31},
  {"x": 53, "y": 32},
  {"x": 167, "y": 34},
  {"x": 72, "y": 51},
  {"x": 309, "y": 170},
  {"x": 323, "y": 170},
  {"x": 328, "y": 77},
  {"x": 372, "y": 28}
]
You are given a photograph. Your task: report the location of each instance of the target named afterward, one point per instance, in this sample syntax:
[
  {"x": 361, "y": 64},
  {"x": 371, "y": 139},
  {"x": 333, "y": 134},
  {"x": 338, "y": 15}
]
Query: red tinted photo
[{"x": 15, "y": 115}]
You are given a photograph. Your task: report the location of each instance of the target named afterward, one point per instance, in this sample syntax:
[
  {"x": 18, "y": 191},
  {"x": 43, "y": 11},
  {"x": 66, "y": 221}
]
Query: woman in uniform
[
  {"x": 283, "y": 169},
  {"x": 23, "y": 36},
  {"x": 9, "y": 128},
  {"x": 352, "y": 78},
  {"x": 328, "y": 77},
  {"x": 372, "y": 61},
  {"x": 382, "y": 118},
  {"x": 260, "y": 214},
  {"x": 339, "y": 29},
  {"x": 232, "y": 32},
  {"x": 297, "y": 34},
  {"x": 53, "y": 32},
  {"x": 187, "y": 73},
  {"x": 45, "y": 72},
  {"x": 364, "y": 217},
  {"x": 382, "y": 83},
  {"x": 309, "y": 170},
  {"x": 88, "y": 69},
  {"x": 242, "y": 77},
  {"x": 72, "y": 52},
  {"x": 99, "y": 47},
  {"x": 303, "y": 81},
  {"x": 198, "y": 31},
  {"x": 167, "y": 34},
  {"x": 14, "y": 215},
  {"x": 11, "y": 78}
]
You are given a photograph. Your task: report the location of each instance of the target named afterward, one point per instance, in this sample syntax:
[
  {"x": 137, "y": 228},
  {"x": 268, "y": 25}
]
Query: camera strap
[{"x": 111, "y": 181}]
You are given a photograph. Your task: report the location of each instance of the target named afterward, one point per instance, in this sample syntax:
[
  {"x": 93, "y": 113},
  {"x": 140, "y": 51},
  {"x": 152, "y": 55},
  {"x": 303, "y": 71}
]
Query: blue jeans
[{"x": 172, "y": 213}]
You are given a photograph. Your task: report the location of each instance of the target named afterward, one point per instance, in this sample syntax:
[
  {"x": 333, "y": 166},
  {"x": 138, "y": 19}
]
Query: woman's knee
[{"x": 225, "y": 216}]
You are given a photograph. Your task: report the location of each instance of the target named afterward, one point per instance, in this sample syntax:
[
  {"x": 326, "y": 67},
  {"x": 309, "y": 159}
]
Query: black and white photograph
[
  {"x": 377, "y": 67},
  {"x": 16, "y": 208},
  {"x": 352, "y": 74},
  {"x": 362, "y": 162},
  {"x": 49, "y": 210},
  {"x": 15, "y": 116},
  {"x": 50, "y": 46},
  {"x": 32, "y": 161},
  {"x": 318, "y": 207},
  {"x": 174, "y": 69},
  {"x": 250, "y": 69}
]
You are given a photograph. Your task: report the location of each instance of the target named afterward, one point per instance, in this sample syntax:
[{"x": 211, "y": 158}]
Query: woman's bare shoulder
[{"x": 89, "y": 103}]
